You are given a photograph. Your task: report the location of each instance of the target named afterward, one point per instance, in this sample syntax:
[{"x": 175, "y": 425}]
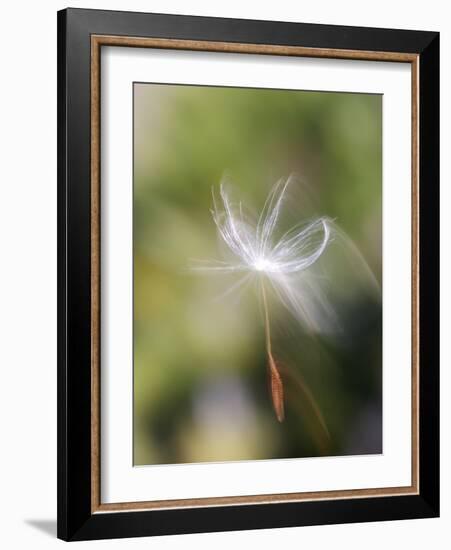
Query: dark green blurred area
[{"x": 200, "y": 375}]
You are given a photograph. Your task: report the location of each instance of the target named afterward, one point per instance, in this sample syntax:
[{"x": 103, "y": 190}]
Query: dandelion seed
[
  {"x": 255, "y": 250},
  {"x": 280, "y": 261}
]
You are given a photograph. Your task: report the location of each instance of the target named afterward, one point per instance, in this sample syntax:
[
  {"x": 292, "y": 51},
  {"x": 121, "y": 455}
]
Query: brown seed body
[{"x": 276, "y": 385}]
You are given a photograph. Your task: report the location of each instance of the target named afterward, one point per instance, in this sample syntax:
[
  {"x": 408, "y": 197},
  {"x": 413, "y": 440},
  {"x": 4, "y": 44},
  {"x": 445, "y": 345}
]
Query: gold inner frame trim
[{"x": 97, "y": 41}]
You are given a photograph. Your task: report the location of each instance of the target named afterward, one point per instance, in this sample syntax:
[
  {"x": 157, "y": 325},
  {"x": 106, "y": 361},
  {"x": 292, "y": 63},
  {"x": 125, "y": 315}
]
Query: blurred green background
[{"x": 200, "y": 375}]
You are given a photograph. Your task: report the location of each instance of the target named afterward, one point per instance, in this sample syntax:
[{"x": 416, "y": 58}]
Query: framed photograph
[{"x": 248, "y": 274}]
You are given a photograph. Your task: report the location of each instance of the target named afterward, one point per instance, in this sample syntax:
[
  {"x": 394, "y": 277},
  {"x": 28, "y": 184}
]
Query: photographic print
[
  {"x": 248, "y": 312},
  {"x": 257, "y": 244}
]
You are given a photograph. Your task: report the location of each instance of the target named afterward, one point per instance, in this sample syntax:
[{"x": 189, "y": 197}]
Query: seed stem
[
  {"x": 267, "y": 325},
  {"x": 274, "y": 374}
]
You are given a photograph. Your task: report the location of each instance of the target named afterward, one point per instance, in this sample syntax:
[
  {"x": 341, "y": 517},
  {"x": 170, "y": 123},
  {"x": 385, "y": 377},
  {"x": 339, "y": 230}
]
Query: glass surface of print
[{"x": 257, "y": 274}]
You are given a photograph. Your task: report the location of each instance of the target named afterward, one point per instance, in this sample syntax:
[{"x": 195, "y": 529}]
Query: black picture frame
[{"x": 76, "y": 520}]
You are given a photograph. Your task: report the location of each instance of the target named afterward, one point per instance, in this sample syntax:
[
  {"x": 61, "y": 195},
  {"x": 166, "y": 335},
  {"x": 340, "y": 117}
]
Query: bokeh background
[{"x": 200, "y": 374}]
